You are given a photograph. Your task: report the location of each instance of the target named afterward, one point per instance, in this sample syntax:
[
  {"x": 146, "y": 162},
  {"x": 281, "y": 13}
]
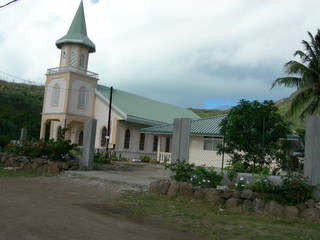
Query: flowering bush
[
  {"x": 241, "y": 184},
  {"x": 55, "y": 150},
  {"x": 197, "y": 176}
]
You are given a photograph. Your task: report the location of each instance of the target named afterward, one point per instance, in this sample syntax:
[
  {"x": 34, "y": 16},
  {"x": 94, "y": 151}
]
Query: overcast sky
[{"x": 190, "y": 53}]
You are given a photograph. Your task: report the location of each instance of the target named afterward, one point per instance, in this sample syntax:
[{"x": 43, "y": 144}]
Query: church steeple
[{"x": 77, "y": 33}]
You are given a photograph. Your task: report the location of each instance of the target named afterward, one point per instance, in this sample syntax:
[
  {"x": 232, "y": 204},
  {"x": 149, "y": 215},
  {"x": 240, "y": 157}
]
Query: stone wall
[
  {"x": 246, "y": 200},
  {"x": 42, "y": 165}
]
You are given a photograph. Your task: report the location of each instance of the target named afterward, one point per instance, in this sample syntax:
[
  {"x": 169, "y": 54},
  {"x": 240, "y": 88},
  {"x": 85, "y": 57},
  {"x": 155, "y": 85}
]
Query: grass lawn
[{"x": 210, "y": 221}]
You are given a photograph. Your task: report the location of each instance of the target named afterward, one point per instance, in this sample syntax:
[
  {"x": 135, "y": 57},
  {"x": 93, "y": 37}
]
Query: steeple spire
[{"x": 77, "y": 32}]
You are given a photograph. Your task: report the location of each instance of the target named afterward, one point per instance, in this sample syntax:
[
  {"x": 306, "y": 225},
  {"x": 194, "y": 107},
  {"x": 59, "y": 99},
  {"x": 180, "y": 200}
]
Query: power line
[
  {"x": 19, "y": 78},
  {"x": 7, "y": 4}
]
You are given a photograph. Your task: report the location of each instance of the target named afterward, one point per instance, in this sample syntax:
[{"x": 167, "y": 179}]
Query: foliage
[
  {"x": 205, "y": 177},
  {"x": 101, "y": 157},
  {"x": 294, "y": 189},
  {"x": 262, "y": 184},
  {"x": 305, "y": 76},
  {"x": 183, "y": 171},
  {"x": 251, "y": 132},
  {"x": 145, "y": 159},
  {"x": 196, "y": 175},
  {"x": 55, "y": 150},
  {"x": 241, "y": 184},
  {"x": 21, "y": 105}
]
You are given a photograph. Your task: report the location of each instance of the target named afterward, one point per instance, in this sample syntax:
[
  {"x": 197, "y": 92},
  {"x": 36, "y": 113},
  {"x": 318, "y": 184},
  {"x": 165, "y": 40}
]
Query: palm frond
[
  {"x": 287, "y": 82},
  {"x": 303, "y": 98},
  {"x": 311, "y": 108}
]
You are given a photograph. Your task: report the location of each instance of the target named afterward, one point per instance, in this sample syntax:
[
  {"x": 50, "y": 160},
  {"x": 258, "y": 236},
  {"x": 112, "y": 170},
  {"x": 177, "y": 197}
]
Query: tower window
[
  {"x": 127, "y": 139},
  {"x": 104, "y": 137},
  {"x": 82, "y": 97},
  {"x": 55, "y": 95},
  {"x": 142, "y": 139}
]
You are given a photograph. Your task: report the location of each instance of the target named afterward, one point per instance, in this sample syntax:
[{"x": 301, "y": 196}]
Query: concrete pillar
[
  {"x": 180, "y": 140},
  {"x": 312, "y": 149},
  {"x": 23, "y": 134},
  {"x": 159, "y": 148},
  {"x": 43, "y": 130},
  {"x": 89, "y": 136}
]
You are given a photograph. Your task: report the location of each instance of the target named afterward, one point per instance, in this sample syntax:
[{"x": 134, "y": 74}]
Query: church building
[{"x": 73, "y": 95}]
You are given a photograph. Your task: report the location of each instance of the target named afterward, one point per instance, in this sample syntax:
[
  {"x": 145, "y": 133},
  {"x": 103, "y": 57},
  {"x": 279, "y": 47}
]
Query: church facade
[{"x": 73, "y": 95}]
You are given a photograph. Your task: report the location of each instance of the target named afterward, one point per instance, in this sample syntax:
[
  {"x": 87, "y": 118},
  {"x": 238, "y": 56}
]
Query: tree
[
  {"x": 306, "y": 77},
  {"x": 251, "y": 133}
]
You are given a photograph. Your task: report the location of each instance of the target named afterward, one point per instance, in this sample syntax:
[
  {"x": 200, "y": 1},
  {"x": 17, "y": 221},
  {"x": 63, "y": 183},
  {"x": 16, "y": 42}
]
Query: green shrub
[
  {"x": 294, "y": 189},
  {"x": 183, "y": 171},
  {"x": 55, "y": 150},
  {"x": 198, "y": 176},
  {"x": 101, "y": 157},
  {"x": 145, "y": 159},
  {"x": 261, "y": 184},
  {"x": 205, "y": 177}
]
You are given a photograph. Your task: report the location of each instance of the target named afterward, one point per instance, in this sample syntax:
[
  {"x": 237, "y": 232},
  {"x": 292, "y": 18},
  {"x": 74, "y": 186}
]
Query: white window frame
[
  {"x": 55, "y": 95},
  {"x": 82, "y": 100},
  {"x": 211, "y": 143}
]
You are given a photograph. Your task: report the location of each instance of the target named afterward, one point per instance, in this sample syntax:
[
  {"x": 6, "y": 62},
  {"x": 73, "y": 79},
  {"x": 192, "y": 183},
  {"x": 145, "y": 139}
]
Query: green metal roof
[
  {"x": 77, "y": 32},
  {"x": 143, "y": 110},
  {"x": 205, "y": 127}
]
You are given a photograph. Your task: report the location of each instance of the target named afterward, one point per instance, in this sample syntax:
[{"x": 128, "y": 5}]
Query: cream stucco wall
[
  {"x": 74, "y": 98},
  {"x": 199, "y": 156},
  {"x": 49, "y": 108},
  {"x": 101, "y": 114}
]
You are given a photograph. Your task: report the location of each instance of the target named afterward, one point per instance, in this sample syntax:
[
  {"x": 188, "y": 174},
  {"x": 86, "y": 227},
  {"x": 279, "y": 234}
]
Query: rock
[
  {"x": 153, "y": 187},
  {"x": 222, "y": 189},
  {"x": 39, "y": 161},
  {"x": 200, "y": 193},
  {"x": 247, "y": 205},
  {"x": 290, "y": 211},
  {"x": 301, "y": 206},
  {"x": 311, "y": 203},
  {"x": 235, "y": 193},
  {"x": 163, "y": 187},
  {"x": 26, "y": 166},
  {"x": 226, "y": 194},
  {"x": 212, "y": 195},
  {"x": 234, "y": 203},
  {"x": 43, "y": 168},
  {"x": 73, "y": 163},
  {"x": 65, "y": 165},
  {"x": 247, "y": 194},
  {"x": 274, "y": 209},
  {"x": 54, "y": 167},
  {"x": 173, "y": 189},
  {"x": 258, "y": 205},
  {"x": 310, "y": 214},
  {"x": 186, "y": 190}
]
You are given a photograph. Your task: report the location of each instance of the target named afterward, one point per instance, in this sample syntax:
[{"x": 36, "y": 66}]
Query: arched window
[
  {"x": 104, "y": 137},
  {"x": 81, "y": 64},
  {"x": 127, "y": 139},
  {"x": 82, "y": 97},
  {"x": 55, "y": 95},
  {"x": 142, "y": 139},
  {"x": 80, "y": 138}
]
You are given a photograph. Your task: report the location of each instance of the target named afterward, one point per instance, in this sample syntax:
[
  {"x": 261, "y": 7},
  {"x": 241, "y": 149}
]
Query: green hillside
[
  {"x": 20, "y": 106},
  {"x": 207, "y": 112}
]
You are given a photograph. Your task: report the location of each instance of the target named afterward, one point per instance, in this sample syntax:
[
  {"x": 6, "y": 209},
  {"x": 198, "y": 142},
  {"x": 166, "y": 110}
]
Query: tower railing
[{"x": 80, "y": 71}]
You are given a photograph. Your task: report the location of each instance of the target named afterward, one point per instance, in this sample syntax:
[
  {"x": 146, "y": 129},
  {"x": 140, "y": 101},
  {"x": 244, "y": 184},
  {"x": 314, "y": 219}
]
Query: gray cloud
[{"x": 184, "y": 52}]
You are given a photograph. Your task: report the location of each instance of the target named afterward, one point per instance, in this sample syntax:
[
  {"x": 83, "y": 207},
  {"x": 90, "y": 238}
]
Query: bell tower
[{"x": 69, "y": 88}]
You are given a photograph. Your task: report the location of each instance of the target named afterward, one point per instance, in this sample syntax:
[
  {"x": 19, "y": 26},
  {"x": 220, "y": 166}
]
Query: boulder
[
  {"x": 247, "y": 205},
  {"x": 235, "y": 193},
  {"x": 226, "y": 194},
  {"x": 274, "y": 209},
  {"x": 159, "y": 187},
  {"x": 258, "y": 205},
  {"x": 54, "y": 167},
  {"x": 311, "y": 203},
  {"x": 301, "y": 206},
  {"x": 173, "y": 189},
  {"x": 212, "y": 195},
  {"x": 234, "y": 203},
  {"x": 200, "y": 193},
  {"x": 247, "y": 194},
  {"x": 186, "y": 190},
  {"x": 290, "y": 211},
  {"x": 310, "y": 214}
]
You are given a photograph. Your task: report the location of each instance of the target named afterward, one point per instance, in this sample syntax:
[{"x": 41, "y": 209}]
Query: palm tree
[{"x": 305, "y": 75}]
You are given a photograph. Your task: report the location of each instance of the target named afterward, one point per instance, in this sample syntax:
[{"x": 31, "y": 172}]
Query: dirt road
[{"x": 68, "y": 208}]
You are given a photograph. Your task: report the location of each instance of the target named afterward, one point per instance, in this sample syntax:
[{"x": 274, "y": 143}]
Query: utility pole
[{"x": 109, "y": 120}]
